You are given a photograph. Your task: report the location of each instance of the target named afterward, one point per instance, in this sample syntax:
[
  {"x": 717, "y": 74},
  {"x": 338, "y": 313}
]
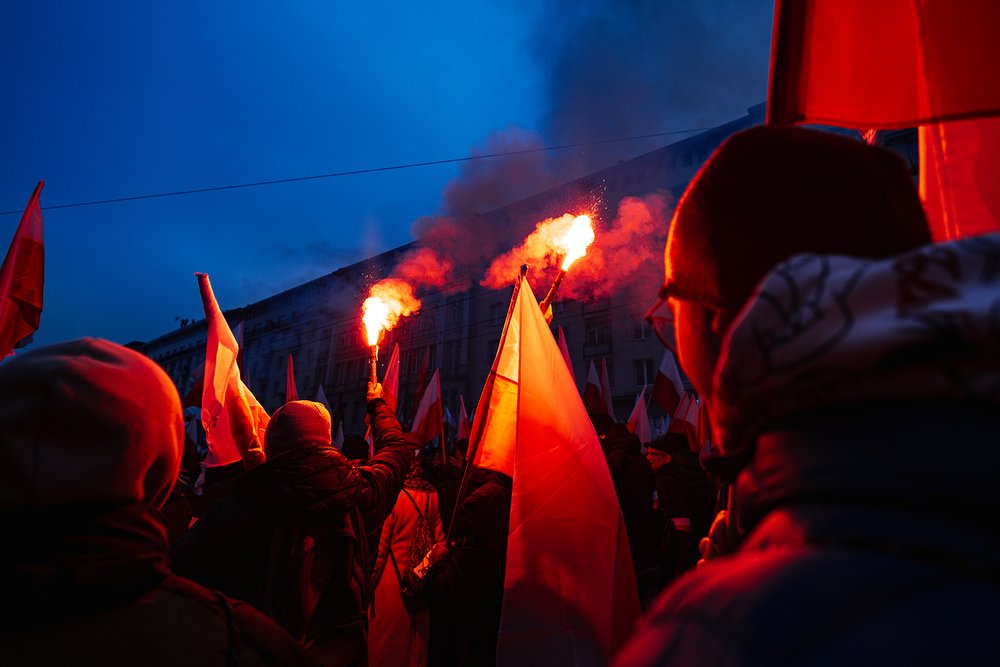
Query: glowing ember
[
  {"x": 576, "y": 240},
  {"x": 389, "y": 300}
]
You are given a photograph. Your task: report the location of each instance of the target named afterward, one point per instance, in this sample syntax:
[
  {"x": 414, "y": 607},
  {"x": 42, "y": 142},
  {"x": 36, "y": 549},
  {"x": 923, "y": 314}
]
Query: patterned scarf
[{"x": 823, "y": 330}]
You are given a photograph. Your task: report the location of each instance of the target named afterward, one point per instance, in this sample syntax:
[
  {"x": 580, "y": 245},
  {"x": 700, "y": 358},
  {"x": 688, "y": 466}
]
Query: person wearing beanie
[
  {"x": 839, "y": 355},
  {"x": 684, "y": 503},
  {"x": 91, "y": 438},
  {"x": 298, "y": 536}
]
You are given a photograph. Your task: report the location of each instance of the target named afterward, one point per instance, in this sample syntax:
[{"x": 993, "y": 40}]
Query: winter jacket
[
  {"x": 90, "y": 444},
  {"x": 399, "y": 635},
  {"x": 632, "y": 476},
  {"x": 297, "y": 538},
  {"x": 867, "y": 394},
  {"x": 465, "y": 588}
]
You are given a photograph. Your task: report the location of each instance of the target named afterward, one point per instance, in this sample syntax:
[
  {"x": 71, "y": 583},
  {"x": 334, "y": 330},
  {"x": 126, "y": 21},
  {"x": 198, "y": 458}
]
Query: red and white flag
[
  {"x": 291, "y": 393},
  {"x": 390, "y": 383},
  {"x": 569, "y": 589},
  {"x": 606, "y": 397},
  {"x": 22, "y": 278},
  {"x": 638, "y": 421},
  {"x": 592, "y": 391},
  {"x": 462, "y": 431},
  {"x": 234, "y": 421},
  {"x": 897, "y": 64},
  {"x": 685, "y": 421},
  {"x": 667, "y": 387},
  {"x": 564, "y": 349},
  {"x": 429, "y": 420}
]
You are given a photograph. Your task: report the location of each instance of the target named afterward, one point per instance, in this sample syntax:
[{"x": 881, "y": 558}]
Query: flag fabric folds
[
  {"x": 569, "y": 590},
  {"x": 22, "y": 278},
  {"x": 606, "y": 396},
  {"x": 886, "y": 64},
  {"x": 390, "y": 383},
  {"x": 338, "y": 439},
  {"x": 638, "y": 421},
  {"x": 667, "y": 387},
  {"x": 234, "y": 421},
  {"x": 291, "y": 393},
  {"x": 322, "y": 399},
  {"x": 960, "y": 166},
  {"x": 564, "y": 349},
  {"x": 592, "y": 391},
  {"x": 429, "y": 420},
  {"x": 462, "y": 430}
]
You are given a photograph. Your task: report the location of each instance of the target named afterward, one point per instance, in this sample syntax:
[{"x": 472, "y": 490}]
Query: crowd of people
[{"x": 850, "y": 368}]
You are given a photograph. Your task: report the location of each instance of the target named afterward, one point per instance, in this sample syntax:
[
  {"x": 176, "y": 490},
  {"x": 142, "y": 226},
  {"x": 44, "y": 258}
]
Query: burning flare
[
  {"x": 388, "y": 300},
  {"x": 574, "y": 243}
]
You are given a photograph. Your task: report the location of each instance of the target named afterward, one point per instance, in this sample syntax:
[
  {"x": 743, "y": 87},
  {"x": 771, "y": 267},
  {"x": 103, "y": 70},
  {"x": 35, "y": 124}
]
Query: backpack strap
[{"x": 414, "y": 503}]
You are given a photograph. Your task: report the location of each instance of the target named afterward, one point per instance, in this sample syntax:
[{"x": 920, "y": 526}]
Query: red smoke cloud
[{"x": 627, "y": 251}]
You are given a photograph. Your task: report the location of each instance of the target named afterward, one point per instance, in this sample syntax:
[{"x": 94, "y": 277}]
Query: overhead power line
[{"x": 354, "y": 172}]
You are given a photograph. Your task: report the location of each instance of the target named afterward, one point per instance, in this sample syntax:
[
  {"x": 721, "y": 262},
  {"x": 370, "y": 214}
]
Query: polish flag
[
  {"x": 638, "y": 421},
  {"x": 564, "y": 349},
  {"x": 592, "y": 392},
  {"x": 462, "y": 431},
  {"x": 291, "y": 393},
  {"x": 667, "y": 388},
  {"x": 22, "y": 278},
  {"x": 234, "y": 421},
  {"x": 429, "y": 420},
  {"x": 569, "y": 589},
  {"x": 606, "y": 397}
]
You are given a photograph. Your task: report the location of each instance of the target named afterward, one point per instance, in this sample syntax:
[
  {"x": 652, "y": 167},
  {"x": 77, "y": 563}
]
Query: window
[
  {"x": 644, "y": 373},
  {"x": 452, "y": 356},
  {"x": 641, "y": 330},
  {"x": 597, "y": 332},
  {"x": 455, "y": 310},
  {"x": 497, "y": 314}
]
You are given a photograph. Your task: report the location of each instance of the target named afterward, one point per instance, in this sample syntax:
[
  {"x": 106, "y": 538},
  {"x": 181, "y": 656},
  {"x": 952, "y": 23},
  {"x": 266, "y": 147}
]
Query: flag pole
[{"x": 484, "y": 404}]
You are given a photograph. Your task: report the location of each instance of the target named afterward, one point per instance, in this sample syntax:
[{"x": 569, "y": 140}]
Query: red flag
[
  {"x": 390, "y": 385},
  {"x": 638, "y": 421},
  {"x": 22, "y": 278},
  {"x": 606, "y": 396},
  {"x": 960, "y": 166},
  {"x": 592, "y": 392},
  {"x": 429, "y": 420},
  {"x": 569, "y": 590},
  {"x": 233, "y": 419},
  {"x": 463, "y": 420},
  {"x": 887, "y": 64},
  {"x": 564, "y": 349},
  {"x": 667, "y": 388},
  {"x": 685, "y": 420},
  {"x": 291, "y": 393}
]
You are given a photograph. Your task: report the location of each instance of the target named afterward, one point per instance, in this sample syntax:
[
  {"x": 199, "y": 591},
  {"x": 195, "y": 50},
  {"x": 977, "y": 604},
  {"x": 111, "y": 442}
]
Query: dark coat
[
  {"x": 683, "y": 492},
  {"x": 297, "y": 538},
  {"x": 465, "y": 588},
  {"x": 872, "y": 539},
  {"x": 632, "y": 476},
  {"x": 93, "y": 586}
]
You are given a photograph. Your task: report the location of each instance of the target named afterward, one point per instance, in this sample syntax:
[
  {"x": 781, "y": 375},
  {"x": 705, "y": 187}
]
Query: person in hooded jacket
[
  {"x": 632, "y": 476},
  {"x": 91, "y": 436},
  {"x": 298, "y": 535},
  {"x": 859, "y": 386}
]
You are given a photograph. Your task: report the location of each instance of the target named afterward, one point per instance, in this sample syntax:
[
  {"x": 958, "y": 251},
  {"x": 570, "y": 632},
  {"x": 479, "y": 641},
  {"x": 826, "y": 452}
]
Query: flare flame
[
  {"x": 388, "y": 300},
  {"x": 574, "y": 243}
]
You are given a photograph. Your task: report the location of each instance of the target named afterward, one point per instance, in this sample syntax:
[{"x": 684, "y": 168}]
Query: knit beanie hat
[
  {"x": 297, "y": 423},
  {"x": 771, "y": 192},
  {"x": 87, "y": 422}
]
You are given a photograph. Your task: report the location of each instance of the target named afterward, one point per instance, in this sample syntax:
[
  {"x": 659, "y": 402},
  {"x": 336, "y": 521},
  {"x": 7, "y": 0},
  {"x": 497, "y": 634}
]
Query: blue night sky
[{"x": 113, "y": 99}]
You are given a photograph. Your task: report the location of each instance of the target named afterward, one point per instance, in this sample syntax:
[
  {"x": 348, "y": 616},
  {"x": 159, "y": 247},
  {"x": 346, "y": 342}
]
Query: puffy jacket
[{"x": 90, "y": 444}]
